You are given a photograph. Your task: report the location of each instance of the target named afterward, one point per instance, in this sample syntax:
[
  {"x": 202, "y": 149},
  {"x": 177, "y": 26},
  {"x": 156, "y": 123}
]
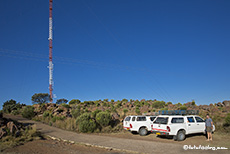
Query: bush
[
  {"x": 11, "y": 105},
  {"x": 227, "y": 120},
  {"x": 76, "y": 113},
  {"x": 158, "y": 104},
  {"x": 85, "y": 123},
  {"x": 183, "y": 107},
  {"x": 94, "y": 113},
  {"x": 83, "y": 117},
  {"x": 74, "y": 101},
  {"x": 87, "y": 126},
  {"x": 46, "y": 114},
  {"x": 137, "y": 110},
  {"x": 125, "y": 111},
  {"x": 103, "y": 118},
  {"x": 65, "y": 105},
  {"x": 28, "y": 112}
]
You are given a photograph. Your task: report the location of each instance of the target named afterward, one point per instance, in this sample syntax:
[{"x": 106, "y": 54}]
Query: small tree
[
  {"x": 40, "y": 98},
  {"x": 61, "y": 101}
]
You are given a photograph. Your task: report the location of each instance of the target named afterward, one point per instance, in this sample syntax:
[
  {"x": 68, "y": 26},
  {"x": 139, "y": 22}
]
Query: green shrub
[
  {"x": 183, "y": 107},
  {"x": 87, "y": 126},
  {"x": 85, "y": 123},
  {"x": 94, "y": 113},
  {"x": 83, "y": 117},
  {"x": 54, "y": 119},
  {"x": 103, "y": 118},
  {"x": 28, "y": 112},
  {"x": 137, "y": 110},
  {"x": 74, "y": 101},
  {"x": 227, "y": 120},
  {"x": 65, "y": 105},
  {"x": 60, "y": 118},
  {"x": 125, "y": 111},
  {"x": 158, "y": 104},
  {"x": 11, "y": 105},
  {"x": 76, "y": 113},
  {"x": 46, "y": 114},
  {"x": 16, "y": 112}
]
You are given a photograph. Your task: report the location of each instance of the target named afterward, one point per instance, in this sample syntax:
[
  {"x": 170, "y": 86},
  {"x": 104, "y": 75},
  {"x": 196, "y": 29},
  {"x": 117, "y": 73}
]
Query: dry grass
[{"x": 29, "y": 134}]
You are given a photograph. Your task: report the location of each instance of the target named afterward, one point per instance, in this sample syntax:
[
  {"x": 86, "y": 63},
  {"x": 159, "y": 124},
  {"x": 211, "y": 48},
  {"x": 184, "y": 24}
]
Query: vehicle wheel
[
  {"x": 180, "y": 135},
  {"x": 175, "y": 137},
  {"x": 143, "y": 132}
]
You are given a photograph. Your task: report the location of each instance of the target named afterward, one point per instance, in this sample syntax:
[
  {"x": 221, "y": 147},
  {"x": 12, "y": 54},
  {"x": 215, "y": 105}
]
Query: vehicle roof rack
[{"x": 179, "y": 112}]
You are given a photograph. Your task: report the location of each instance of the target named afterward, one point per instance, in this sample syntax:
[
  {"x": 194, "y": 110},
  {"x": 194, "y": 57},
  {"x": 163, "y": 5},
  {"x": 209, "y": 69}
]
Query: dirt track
[{"x": 129, "y": 144}]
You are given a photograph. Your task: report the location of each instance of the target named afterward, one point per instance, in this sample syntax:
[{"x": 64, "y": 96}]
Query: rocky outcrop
[{"x": 226, "y": 103}]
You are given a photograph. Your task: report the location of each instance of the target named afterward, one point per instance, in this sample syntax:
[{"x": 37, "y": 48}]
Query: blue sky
[{"x": 167, "y": 50}]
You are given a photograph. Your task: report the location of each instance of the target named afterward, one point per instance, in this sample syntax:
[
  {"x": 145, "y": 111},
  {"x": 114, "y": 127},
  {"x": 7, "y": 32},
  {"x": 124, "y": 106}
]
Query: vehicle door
[
  {"x": 200, "y": 124},
  {"x": 191, "y": 125},
  {"x": 140, "y": 121}
]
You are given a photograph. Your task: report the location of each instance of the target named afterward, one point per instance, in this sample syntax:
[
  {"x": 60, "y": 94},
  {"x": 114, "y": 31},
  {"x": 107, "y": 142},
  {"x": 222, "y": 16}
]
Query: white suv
[
  {"x": 178, "y": 126},
  {"x": 138, "y": 124}
]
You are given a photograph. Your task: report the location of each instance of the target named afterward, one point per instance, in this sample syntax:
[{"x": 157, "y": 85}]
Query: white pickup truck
[
  {"x": 138, "y": 124},
  {"x": 178, "y": 126}
]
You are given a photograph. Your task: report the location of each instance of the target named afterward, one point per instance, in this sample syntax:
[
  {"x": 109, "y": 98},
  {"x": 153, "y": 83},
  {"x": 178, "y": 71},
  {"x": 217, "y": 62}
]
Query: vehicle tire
[
  {"x": 180, "y": 135},
  {"x": 175, "y": 137},
  {"x": 143, "y": 131}
]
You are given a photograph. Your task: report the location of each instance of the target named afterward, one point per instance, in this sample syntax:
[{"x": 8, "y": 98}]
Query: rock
[
  {"x": 115, "y": 116},
  {"x": 2, "y": 132},
  {"x": 12, "y": 127},
  {"x": 226, "y": 103},
  {"x": 219, "y": 104},
  {"x": 205, "y": 107}
]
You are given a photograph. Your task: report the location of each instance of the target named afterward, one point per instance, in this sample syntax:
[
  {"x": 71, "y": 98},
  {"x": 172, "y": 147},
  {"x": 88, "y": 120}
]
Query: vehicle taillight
[
  {"x": 131, "y": 126},
  {"x": 168, "y": 128}
]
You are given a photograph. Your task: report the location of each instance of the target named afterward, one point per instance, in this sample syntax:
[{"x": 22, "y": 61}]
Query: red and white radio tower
[{"x": 50, "y": 50}]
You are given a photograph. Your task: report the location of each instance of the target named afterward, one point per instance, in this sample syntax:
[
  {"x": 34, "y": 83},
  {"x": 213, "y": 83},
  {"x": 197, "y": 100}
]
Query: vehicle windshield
[{"x": 161, "y": 120}]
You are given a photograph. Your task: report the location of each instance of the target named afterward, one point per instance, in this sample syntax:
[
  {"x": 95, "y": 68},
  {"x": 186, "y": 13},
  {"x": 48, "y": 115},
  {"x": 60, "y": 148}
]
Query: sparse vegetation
[{"x": 28, "y": 112}]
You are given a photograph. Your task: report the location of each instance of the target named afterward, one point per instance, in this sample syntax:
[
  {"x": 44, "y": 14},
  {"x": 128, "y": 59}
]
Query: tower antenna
[{"x": 50, "y": 50}]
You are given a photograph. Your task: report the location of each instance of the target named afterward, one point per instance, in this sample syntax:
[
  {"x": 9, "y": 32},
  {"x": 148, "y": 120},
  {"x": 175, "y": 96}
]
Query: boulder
[
  {"x": 226, "y": 103},
  {"x": 115, "y": 116}
]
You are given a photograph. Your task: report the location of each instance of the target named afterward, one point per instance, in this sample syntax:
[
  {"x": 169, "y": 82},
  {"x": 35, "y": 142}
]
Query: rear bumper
[
  {"x": 159, "y": 132},
  {"x": 127, "y": 128}
]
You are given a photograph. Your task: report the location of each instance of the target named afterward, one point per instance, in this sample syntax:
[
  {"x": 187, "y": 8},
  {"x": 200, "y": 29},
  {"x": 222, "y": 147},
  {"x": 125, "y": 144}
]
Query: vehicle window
[
  {"x": 127, "y": 118},
  {"x": 190, "y": 119},
  {"x": 177, "y": 120},
  {"x": 152, "y": 118},
  {"x": 133, "y": 118},
  {"x": 141, "y": 118},
  {"x": 198, "y": 119},
  {"x": 161, "y": 120}
]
